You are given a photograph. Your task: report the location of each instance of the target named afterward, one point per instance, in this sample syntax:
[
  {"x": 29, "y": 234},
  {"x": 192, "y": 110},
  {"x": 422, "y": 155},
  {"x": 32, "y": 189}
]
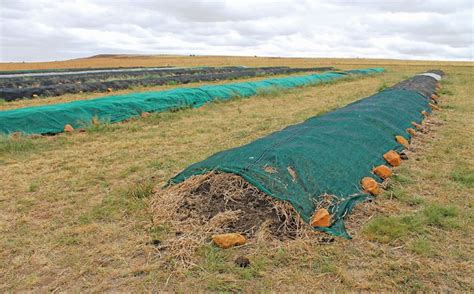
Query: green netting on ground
[
  {"x": 327, "y": 154},
  {"x": 52, "y": 118}
]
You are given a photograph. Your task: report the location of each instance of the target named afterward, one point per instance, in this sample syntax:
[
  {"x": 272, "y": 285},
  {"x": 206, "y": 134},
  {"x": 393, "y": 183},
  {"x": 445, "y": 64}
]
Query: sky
[{"x": 38, "y": 30}]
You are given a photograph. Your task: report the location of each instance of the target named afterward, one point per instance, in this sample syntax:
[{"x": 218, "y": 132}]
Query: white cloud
[{"x": 415, "y": 29}]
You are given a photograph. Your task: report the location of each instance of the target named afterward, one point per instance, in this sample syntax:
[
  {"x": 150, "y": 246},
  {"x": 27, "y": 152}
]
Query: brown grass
[
  {"x": 190, "y": 61},
  {"x": 74, "y": 208}
]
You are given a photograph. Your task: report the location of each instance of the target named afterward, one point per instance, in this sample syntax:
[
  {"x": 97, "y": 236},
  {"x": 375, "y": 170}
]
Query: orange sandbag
[
  {"x": 382, "y": 171},
  {"x": 402, "y": 141},
  {"x": 393, "y": 158},
  {"x": 417, "y": 126},
  {"x": 370, "y": 185},
  {"x": 411, "y": 132},
  {"x": 321, "y": 218},
  {"x": 434, "y": 97},
  {"x": 229, "y": 240},
  {"x": 145, "y": 114},
  {"x": 68, "y": 128}
]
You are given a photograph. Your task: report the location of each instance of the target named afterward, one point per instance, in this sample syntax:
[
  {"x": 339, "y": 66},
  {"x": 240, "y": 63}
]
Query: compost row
[
  {"x": 56, "y": 118},
  {"x": 60, "y": 85},
  {"x": 323, "y": 167},
  {"x": 72, "y": 77},
  {"x": 66, "y": 71}
]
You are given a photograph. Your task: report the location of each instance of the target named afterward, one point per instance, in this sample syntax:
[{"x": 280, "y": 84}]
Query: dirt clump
[{"x": 220, "y": 203}]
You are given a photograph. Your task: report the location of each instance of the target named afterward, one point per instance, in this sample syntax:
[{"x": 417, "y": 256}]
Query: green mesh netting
[
  {"x": 52, "y": 118},
  {"x": 327, "y": 154}
]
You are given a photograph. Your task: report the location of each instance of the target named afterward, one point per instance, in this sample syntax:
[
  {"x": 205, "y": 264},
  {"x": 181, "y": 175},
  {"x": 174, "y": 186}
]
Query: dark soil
[{"x": 205, "y": 202}]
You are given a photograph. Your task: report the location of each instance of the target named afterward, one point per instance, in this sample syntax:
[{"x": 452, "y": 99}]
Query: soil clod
[{"x": 242, "y": 261}]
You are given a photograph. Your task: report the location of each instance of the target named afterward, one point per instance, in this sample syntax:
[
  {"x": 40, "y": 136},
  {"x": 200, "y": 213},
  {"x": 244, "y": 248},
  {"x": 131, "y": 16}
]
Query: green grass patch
[
  {"x": 442, "y": 216},
  {"x": 422, "y": 247},
  {"x": 171, "y": 83},
  {"x": 213, "y": 259},
  {"x": 386, "y": 229},
  {"x": 33, "y": 187},
  {"x": 382, "y": 86},
  {"x": 114, "y": 207},
  {"x": 281, "y": 257},
  {"x": 10, "y": 145},
  {"x": 272, "y": 91},
  {"x": 463, "y": 175},
  {"x": 141, "y": 190},
  {"x": 403, "y": 177},
  {"x": 401, "y": 195},
  {"x": 97, "y": 125},
  {"x": 324, "y": 265}
]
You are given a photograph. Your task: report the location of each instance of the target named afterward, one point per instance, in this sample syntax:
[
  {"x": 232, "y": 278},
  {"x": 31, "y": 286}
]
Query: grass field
[{"x": 75, "y": 216}]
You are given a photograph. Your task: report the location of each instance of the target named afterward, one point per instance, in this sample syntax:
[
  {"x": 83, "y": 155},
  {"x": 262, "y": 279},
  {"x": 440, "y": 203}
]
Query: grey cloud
[{"x": 415, "y": 29}]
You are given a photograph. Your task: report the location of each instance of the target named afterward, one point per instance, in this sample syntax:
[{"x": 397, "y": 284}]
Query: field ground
[{"x": 74, "y": 207}]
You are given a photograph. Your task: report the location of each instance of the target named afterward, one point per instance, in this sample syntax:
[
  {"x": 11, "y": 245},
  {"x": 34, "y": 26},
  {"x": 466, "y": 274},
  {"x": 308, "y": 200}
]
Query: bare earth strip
[{"x": 74, "y": 209}]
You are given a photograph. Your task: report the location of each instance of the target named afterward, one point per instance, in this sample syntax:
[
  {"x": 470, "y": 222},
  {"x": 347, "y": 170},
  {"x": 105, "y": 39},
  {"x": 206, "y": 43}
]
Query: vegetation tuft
[
  {"x": 143, "y": 189},
  {"x": 387, "y": 229},
  {"x": 463, "y": 175}
]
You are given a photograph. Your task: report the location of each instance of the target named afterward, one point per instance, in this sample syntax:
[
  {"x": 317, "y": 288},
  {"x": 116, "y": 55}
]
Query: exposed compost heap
[
  {"x": 51, "y": 119},
  {"x": 312, "y": 173}
]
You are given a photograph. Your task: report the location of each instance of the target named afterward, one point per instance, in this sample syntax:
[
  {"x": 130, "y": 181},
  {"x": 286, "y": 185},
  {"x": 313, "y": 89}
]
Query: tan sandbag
[
  {"x": 425, "y": 113},
  {"x": 109, "y": 89},
  {"x": 382, "y": 171},
  {"x": 321, "y": 218},
  {"x": 229, "y": 240},
  {"x": 370, "y": 185},
  {"x": 402, "y": 141},
  {"x": 68, "y": 128},
  {"x": 34, "y": 96},
  {"x": 434, "y": 107},
  {"x": 438, "y": 86},
  {"x": 411, "y": 132},
  {"x": 393, "y": 158},
  {"x": 434, "y": 97},
  {"x": 417, "y": 126},
  {"x": 145, "y": 114}
]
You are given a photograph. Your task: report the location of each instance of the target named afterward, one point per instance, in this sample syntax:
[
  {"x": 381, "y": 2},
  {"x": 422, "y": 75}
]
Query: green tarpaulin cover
[
  {"x": 52, "y": 118},
  {"x": 327, "y": 154}
]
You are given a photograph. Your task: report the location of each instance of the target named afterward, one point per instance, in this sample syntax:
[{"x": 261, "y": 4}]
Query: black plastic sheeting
[
  {"x": 62, "y": 85},
  {"x": 72, "y": 77},
  {"x": 420, "y": 83}
]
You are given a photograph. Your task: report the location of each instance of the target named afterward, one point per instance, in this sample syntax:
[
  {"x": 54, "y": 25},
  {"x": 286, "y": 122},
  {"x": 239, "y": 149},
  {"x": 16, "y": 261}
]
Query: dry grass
[
  {"x": 189, "y": 61},
  {"x": 71, "y": 219},
  {"x": 216, "y": 203}
]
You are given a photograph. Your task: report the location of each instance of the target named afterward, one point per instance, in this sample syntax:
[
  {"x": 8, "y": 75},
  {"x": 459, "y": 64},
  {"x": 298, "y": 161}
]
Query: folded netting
[
  {"x": 327, "y": 154},
  {"x": 50, "y": 119}
]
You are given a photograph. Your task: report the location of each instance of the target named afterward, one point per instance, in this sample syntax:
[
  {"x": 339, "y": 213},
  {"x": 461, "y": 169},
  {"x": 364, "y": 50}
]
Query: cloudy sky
[{"x": 38, "y": 30}]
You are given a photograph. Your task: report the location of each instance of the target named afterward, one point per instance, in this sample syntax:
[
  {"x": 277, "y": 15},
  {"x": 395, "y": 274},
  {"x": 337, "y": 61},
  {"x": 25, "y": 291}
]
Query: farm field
[{"x": 75, "y": 208}]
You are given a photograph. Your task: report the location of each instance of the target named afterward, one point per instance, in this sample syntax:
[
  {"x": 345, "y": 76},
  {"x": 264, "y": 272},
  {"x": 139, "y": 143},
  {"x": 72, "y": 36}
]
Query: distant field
[
  {"x": 71, "y": 220},
  {"x": 104, "y": 61}
]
